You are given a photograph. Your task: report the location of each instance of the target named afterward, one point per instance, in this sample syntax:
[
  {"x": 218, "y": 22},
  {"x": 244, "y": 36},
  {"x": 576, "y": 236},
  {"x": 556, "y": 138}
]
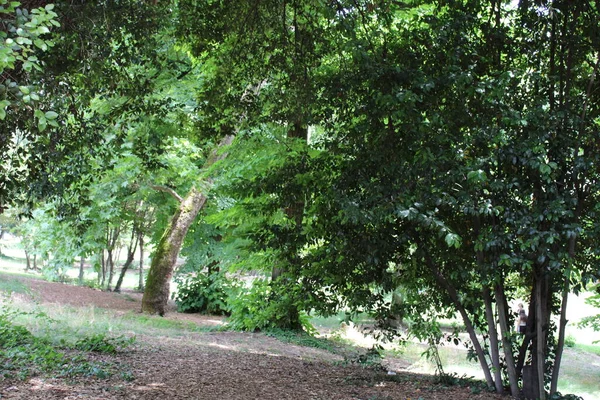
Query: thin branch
[{"x": 168, "y": 190}]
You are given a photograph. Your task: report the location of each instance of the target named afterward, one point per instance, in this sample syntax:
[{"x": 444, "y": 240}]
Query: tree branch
[{"x": 168, "y": 190}]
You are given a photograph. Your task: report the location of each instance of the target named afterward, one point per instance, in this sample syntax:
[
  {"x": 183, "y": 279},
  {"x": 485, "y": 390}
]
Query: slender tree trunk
[
  {"x": 539, "y": 322},
  {"x": 131, "y": 249},
  {"x": 158, "y": 281},
  {"x": 141, "y": 271},
  {"x": 451, "y": 291},
  {"x": 81, "y": 261},
  {"x": 493, "y": 333},
  {"x": 506, "y": 343},
  {"x": 561, "y": 337},
  {"x": 27, "y": 260},
  {"x": 103, "y": 269},
  {"x": 111, "y": 269}
]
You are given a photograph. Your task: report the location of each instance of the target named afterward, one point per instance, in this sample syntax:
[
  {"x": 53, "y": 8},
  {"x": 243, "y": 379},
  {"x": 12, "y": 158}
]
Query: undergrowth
[
  {"x": 300, "y": 339},
  {"x": 23, "y": 354}
]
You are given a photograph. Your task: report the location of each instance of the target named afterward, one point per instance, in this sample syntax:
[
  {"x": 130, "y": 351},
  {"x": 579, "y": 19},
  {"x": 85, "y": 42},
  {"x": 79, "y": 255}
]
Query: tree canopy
[{"x": 438, "y": 147}]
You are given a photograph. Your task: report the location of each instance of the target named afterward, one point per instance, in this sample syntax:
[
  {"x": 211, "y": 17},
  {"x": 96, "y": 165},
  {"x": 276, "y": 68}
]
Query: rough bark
[{"x": 156, "y": 293}]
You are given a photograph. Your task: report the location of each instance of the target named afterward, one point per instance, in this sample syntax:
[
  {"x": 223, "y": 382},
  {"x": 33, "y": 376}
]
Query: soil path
[{"x": 217, "y": 365}]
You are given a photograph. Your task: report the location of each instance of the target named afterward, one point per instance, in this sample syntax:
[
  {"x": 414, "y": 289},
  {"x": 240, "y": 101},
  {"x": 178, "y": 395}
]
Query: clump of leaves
[
  {"x": 102, "y": 343},
  {"x": 203, "y": 293}
]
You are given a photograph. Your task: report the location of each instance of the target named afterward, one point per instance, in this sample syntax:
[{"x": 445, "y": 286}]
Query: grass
[
  {"x": 10, "y": 285},
  {"x": 590, "y": 348}
]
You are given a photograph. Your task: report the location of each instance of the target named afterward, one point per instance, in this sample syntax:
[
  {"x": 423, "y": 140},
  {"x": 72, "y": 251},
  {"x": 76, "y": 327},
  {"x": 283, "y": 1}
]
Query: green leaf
[
  {"x": 42, "y": 123},
  {"x": 50, "y": 115},
  {"x": 453, "y": 240}
]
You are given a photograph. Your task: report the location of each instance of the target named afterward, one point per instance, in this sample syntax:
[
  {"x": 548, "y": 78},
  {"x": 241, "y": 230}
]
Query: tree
[{"x": 24, "y": 36}]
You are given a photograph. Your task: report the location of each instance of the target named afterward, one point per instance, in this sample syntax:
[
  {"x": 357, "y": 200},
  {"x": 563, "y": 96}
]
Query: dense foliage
[{"x": 445, "y": 151}]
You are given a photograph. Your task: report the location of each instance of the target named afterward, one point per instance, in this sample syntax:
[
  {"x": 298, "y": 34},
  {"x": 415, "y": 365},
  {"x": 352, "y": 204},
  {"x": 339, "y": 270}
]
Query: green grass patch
[
  {"x": 590, "y": 348},
  {"x": 23, "y": 354},
  {"x": 10, "y": 285},
  {"x": 301, "y": 339}
]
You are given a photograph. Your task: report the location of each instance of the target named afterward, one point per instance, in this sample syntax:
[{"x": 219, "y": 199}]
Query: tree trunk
[
  {"x": 539, "y": 351},
  {"x": 451, "y": 291},
  {"x": 493, "y": 333},
  {"x": 141, "y": 271},
  {"x": 158, "y": 281},
  {"x": 111, "y": 268},
  {"x": 506, "y": 342},
  {"x": 561, "y": 337},
  {"x": 130, "y": 256},
  {"x": 112, "y": 238},
  {"x": 27, "y": 260},
  {"x": 81, "y": 261},
  {"x": 103, "y": 269}
]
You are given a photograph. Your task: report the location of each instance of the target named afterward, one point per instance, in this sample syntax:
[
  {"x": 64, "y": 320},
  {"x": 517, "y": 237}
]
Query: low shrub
[
  {"x": 203, "y": 293},
  {"x": 259, "y": 308}
]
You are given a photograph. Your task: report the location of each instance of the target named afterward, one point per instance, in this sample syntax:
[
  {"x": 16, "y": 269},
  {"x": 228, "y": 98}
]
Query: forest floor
[{"x": 215, "y": 364}]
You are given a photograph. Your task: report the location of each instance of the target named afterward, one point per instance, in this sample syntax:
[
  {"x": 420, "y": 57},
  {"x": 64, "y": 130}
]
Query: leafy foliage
[
  {"x": 257, "y": 309},
  {"x": 204, "y": 293}
]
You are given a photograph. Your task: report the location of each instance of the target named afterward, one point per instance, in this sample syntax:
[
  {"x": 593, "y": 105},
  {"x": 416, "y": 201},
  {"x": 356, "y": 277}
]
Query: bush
[
  {"x": 570, "y": 341},
  {"x": 203, "y": 293},
  {"x": 258, "y": 308}
]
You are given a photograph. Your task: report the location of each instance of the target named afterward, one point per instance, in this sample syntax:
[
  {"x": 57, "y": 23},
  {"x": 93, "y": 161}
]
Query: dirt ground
[{"x": 219, "y": 365}]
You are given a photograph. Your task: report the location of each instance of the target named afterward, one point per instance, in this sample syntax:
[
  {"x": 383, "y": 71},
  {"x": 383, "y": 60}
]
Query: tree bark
[
  {"x": 27, "y": 260},
  {"x": 81, "y": 261},
  {"x": 561, "y": 337},
  {"x": 131, "y": 249},
  {"x": 493, "y": 332},
  {"x": 141, "y": 271},
  {"x": 158, "y": 281},
  {"x": 506, "y": 342},
  {"x": 539, "y": 351}
]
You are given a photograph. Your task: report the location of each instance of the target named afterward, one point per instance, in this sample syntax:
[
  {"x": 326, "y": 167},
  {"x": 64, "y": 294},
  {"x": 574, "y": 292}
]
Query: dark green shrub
[
  {"x": 203, "y": 293},
  {"x": 258, "y": 308}
]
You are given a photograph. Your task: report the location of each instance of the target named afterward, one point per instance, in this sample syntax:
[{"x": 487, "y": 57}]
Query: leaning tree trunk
[
  {"x": 156, "y": 293},
  {"x": 131, "y": 249}
]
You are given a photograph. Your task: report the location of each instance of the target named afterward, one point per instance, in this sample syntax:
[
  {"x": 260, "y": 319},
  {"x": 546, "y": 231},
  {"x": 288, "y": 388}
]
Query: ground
[{"x": 218, "y": 364}]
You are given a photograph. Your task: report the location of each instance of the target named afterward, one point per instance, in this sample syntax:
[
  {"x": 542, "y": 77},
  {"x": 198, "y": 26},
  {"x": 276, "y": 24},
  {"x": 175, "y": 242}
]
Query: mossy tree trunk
[{"x": 156, "y": 293}]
